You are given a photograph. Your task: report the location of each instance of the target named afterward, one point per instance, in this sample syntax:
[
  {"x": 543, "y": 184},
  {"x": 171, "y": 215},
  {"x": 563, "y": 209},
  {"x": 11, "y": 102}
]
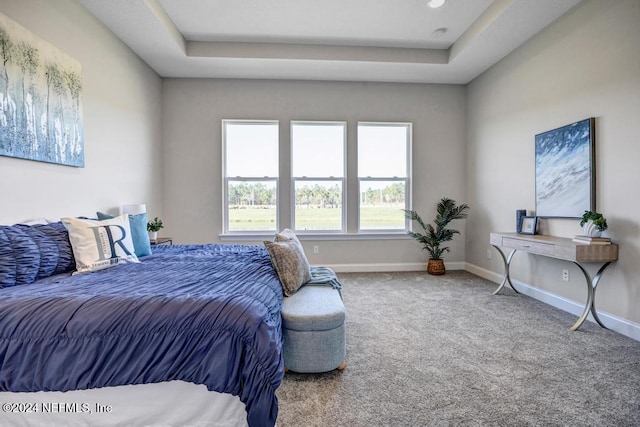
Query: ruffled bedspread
[{"x": 207, "y": 314}]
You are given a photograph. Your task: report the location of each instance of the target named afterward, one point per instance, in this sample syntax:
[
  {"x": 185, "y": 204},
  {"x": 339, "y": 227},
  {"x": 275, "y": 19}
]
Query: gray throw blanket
[{"x": 324, "y": 276}]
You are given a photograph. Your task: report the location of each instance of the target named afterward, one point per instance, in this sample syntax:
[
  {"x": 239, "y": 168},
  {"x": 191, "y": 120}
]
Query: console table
[{"x": 559, "y": 248}]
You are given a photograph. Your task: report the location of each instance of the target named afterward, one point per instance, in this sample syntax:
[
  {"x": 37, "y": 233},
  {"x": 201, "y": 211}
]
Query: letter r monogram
[{"x": 112, "y": 242}]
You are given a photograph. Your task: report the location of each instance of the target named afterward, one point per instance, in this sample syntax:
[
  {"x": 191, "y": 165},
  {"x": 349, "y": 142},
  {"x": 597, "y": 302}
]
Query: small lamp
[{"x": 134, "y": 209}]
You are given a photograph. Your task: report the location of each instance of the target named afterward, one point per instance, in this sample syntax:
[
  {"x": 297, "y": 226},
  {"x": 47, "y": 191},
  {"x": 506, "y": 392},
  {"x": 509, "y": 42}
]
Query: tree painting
[{"x": 40, "y": 99}]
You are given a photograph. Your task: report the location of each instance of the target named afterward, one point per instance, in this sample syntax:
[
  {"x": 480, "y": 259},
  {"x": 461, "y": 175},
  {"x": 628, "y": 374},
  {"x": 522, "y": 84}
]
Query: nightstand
[{"x": 162, "y": 241}]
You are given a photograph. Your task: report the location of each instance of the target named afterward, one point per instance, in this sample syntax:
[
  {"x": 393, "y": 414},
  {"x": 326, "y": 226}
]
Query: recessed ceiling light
[
  {"x": 439, "y": 32},
  {"x": 436, "y": 3}
]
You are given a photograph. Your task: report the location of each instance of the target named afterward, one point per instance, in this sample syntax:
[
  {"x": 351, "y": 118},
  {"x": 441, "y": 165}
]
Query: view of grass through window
[
  {"x": 252, "y": 205},
  {"x": 317, "y": 163},
  {"x": 318, "y": 205},
  {"x": 251, "y": 175},
  {"x": 318, "y": 176},
  {"x": 383, "y": 174},
  {"x": 381, "y": 204}
]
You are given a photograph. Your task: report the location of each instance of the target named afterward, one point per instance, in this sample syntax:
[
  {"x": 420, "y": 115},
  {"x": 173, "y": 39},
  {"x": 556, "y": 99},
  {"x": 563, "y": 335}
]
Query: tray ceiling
[{"x": 350, "y": 40}]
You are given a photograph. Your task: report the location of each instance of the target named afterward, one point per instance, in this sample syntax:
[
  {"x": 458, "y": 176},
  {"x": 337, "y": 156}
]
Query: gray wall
[
  {"x": 121, "y": 108},
  {"x": 192, "y": 114},
  {"x": 587, "y": 64},
  {"x": 158, "y": 141}
]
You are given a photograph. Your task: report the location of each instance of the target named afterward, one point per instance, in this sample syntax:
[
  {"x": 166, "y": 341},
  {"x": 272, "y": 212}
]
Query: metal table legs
[
  {"x": 506, "y": 278},
  {"x": 592, "y": 283},
  {"x": 590, "y": 305}
]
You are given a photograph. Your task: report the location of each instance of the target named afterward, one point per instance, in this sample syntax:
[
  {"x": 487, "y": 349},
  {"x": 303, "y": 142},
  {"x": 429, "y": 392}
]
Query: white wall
[
  {"x": 121, "y": 107},
  {"x": 586, "y": 64},
  {"x": 192, "y": 114}
]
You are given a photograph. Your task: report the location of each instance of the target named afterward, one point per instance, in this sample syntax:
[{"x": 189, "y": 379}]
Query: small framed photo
[{"x": 529, "y": 225}]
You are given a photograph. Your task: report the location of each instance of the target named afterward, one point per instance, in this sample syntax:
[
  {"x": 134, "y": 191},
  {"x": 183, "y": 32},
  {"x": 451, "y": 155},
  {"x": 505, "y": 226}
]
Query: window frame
[
  {"x": 342, "y": 180},
  {"x": 408, "y": 179},
  {"x": 226, "y": 179}
]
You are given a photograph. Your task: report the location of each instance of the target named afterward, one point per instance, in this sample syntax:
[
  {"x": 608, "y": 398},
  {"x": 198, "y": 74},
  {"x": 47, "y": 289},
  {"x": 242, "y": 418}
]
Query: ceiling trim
[
  {"x": 291, "y": 51},
  {"x": 148, "y": 29},
  {"x": 167, "y": 23}
]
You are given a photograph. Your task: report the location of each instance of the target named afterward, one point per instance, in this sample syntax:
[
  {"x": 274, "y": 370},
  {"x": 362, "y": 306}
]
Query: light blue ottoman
[{"x": 313, "y": 326}]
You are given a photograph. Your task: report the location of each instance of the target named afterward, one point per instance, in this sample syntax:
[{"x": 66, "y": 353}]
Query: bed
[{"x": 201, "y": 318}]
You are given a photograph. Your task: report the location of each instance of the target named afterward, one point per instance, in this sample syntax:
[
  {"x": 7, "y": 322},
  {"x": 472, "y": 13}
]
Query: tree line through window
[{"x": 318, "y": 172}]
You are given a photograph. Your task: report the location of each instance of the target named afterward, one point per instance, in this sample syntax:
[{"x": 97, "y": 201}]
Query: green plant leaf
[{"x": 446, "y": 211}]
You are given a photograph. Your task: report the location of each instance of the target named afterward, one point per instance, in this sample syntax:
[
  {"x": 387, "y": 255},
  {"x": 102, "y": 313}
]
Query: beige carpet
[{"x": 442, "y": 351}]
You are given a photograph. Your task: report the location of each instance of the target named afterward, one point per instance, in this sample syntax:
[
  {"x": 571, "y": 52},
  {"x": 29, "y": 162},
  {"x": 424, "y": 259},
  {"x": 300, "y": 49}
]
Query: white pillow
[
  {"x": 40, "y": 221},
  {"x": 36, "y": 221},
  {"x": 287, "y": 234},
  {"x": 100, "y": 244}
]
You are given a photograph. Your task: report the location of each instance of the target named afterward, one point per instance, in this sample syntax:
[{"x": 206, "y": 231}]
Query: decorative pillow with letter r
[
  {"x": 138, "y": 224},
  {"x": 100, "y": 244}
]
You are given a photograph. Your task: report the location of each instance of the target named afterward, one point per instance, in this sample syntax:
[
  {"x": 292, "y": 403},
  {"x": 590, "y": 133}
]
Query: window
[
  {"x": 250, "y": 175},
  {"x": 317, "y": 173},
  {"x": 383, "y": 175},
  {"x": 317, "y": 197}
]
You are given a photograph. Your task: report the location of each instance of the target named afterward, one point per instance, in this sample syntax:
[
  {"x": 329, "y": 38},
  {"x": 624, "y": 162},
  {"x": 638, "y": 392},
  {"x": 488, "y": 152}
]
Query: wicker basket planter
[{"x": 435, "y": 267}]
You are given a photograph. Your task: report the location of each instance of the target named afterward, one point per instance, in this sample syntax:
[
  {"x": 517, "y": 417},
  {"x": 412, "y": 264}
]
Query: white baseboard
[
  {"x": 613, "y": 322},
  {"x": 484, "y": 273},
  {"x": 389, "y": 267}
]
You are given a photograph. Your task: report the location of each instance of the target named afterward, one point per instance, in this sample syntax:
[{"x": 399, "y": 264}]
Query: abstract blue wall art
[
  {"x": 40, "y": 99},
  {"x": 565, "y": 170}
]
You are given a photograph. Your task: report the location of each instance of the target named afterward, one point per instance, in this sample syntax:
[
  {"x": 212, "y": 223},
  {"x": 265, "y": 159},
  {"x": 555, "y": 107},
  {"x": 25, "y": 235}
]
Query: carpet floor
[{"x": 442, "y": 351}]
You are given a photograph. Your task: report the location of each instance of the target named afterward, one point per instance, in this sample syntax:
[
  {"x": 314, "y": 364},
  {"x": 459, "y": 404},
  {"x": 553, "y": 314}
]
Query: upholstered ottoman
[{"x": 313, "y": 326}]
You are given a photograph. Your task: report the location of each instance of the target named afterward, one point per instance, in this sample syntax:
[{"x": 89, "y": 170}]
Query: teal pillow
[{"x": 139, "y": 235}]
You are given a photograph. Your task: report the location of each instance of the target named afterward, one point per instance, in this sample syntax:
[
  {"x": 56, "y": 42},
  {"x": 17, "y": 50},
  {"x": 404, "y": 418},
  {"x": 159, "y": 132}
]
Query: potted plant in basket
[
  {"x": 593, "y": 223},
  {"x": 153, "y": 227},
  {"x": 432, "y": 237}
]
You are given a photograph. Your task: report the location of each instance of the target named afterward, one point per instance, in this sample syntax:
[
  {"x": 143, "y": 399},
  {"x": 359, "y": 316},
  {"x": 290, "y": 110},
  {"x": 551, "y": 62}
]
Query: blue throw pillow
[
  {"x": 139, "y": 235},
  {"x": 49, "y": 253},
  {"x": 58, "y": 233},
  {"x": 7, "y": 262},
  {"x": 26, "y": 253}
]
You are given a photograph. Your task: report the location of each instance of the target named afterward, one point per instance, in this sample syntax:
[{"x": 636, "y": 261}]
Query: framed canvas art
[
  {"x": 40, "y": 99},
  {"x": 565, "y": 170}
]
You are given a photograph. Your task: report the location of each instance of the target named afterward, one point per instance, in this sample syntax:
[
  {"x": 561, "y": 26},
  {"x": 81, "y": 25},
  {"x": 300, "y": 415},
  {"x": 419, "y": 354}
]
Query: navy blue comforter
[{"x": 206, "y": 314}]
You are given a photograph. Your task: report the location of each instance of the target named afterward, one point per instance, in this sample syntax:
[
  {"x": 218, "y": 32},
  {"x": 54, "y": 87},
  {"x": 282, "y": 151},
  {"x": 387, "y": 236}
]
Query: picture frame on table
[{"x": 529, "y": 225}]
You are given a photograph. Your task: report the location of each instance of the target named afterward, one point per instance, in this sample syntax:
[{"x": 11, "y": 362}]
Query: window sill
[{"x": 318, "y": 236}]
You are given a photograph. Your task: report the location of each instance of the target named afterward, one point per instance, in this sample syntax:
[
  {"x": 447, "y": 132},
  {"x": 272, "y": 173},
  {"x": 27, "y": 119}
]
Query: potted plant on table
[
  {"x": 432, "y": 237},
  {"x": 153, "y": 227},
  {"x": 593, "y": 223}
]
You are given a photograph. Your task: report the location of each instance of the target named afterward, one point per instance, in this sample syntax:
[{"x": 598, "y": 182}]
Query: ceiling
[{"x": 349, "y": 40}]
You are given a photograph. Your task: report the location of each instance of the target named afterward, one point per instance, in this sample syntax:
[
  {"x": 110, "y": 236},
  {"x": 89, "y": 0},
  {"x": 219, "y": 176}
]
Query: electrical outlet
[
  {"x": 489, "y": 253},
  {"x": 565, "y": 275},
  {"x": 316, "y": 249}
]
